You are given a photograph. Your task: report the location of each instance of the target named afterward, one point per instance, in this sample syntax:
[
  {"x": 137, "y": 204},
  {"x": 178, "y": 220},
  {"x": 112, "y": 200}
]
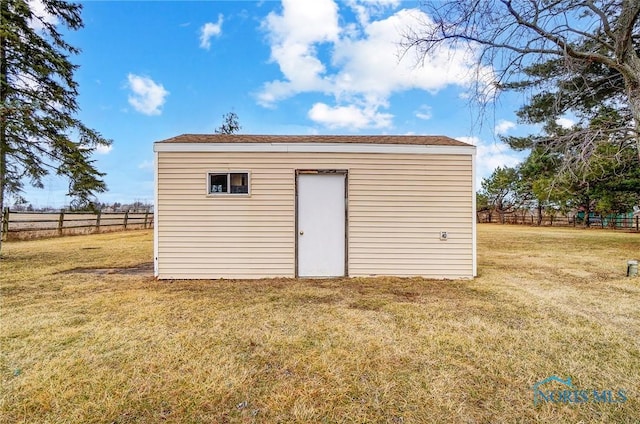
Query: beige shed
[{"x": 254, "y": 206}]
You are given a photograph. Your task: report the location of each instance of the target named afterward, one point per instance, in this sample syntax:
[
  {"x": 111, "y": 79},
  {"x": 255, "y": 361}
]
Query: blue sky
[{"x": 150, "y": 70}]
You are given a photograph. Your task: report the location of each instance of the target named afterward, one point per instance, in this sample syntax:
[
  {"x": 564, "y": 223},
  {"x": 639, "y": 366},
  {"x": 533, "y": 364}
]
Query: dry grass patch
[{"x": 117, "y": 348}]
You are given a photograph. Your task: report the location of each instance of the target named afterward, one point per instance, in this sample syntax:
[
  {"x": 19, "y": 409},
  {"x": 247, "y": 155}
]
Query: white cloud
[
  {"x": 503, "y": 126},
  {"x": 103, "y": 150},
  {"x": 370, "y": 64},
  {"x": 41, "y": 15},
  {"x": 146, "y": 96},
  {"x": 293, "y": 37},
  {"x": 491, "y": 155},
  {"x": 424, "y": 112},
  {"x": 565, "y": 122},
  {"x": 304, "y": 22},
  {"x": 351, "y": 116},
  {"x": 474, "y": 141},
  {"x": 209, "y": 30},
  {"x": 357, "y": 64},
  {"x": 365, "y": 9},
  {"x": 146, "y": 164}
]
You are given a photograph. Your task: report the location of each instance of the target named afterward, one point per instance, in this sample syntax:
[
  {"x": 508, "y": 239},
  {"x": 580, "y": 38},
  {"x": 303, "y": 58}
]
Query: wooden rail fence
[
  {"x": 27, "y": 225},
  {"x": 617, "y": 223}
]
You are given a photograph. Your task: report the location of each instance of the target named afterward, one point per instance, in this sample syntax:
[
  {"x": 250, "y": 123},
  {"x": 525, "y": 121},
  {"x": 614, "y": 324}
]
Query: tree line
[
  {"x": 97, "y": 206},
  {"x": 609, "y": 188}
]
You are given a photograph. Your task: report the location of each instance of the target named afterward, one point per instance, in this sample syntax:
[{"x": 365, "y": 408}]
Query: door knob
[{"x": 301, "y": 233}]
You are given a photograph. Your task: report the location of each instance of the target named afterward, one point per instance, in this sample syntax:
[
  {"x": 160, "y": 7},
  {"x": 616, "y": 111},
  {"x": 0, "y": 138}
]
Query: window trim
[{"x": 228, "y": 173}]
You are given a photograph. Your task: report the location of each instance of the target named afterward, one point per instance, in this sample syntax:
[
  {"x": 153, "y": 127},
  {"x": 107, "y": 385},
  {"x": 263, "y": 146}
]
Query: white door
[{"x": 321, "y": 225}]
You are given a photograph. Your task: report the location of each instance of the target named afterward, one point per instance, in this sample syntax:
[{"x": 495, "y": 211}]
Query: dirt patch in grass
[{"x": 143, "y": 269}]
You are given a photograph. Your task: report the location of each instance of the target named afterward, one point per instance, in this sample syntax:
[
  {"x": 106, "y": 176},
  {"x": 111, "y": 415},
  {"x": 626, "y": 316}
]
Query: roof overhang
[{"x": 314, "y": 148}]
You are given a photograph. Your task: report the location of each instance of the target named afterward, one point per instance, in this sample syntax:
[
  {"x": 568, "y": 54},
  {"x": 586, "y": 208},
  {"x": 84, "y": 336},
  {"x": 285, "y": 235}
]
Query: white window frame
[{"x": 228, "y": 174}]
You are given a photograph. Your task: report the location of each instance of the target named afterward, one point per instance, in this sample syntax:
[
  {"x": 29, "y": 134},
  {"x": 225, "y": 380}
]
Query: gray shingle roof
[{"x": 427, "y": 140}]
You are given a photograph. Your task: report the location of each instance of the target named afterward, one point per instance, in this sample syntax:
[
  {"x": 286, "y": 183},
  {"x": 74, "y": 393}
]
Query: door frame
[{"x": 344, "y": 172}]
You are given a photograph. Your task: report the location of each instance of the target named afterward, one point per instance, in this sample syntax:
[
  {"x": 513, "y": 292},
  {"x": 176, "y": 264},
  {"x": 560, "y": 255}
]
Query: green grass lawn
[{"x": 117, "y": 348}]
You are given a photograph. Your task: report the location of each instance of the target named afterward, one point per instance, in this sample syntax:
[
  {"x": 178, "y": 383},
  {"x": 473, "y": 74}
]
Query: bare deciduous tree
[
  {"x": 230, "y": 124},
  {"x": 513, "y": 36}
]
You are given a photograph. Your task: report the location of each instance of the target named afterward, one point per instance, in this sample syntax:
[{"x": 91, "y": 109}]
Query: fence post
[
  {"x": 126, "y": 218},
  {"x": 5, "y": 223},
  {"x": 60, "y": 222},
  {"x": 98, "y": 215},
  {"x": 146, "y": 216},
  {"x": 638, "y": 223}
]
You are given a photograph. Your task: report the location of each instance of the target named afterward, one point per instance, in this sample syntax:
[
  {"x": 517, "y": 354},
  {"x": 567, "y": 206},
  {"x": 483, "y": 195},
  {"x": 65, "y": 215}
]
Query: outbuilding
[{"x": 254, "y": 206}]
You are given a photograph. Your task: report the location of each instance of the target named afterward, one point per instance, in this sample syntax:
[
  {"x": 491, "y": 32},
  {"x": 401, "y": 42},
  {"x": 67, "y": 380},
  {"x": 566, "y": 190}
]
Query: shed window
[{"x": 229, "y": 183}]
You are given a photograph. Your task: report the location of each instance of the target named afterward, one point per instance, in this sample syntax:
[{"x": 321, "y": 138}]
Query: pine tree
[
  {"x": 593, "y": 95},
  {"x": 39, "y": 131}
]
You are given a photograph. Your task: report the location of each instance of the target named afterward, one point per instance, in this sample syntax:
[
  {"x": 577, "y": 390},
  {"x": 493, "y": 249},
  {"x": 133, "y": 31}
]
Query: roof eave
[{"x": 315, "y": 148}]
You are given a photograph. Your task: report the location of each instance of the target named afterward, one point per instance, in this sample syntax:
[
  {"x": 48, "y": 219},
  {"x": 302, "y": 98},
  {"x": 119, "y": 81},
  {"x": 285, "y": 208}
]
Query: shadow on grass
[{"x": 143, "y": 269}]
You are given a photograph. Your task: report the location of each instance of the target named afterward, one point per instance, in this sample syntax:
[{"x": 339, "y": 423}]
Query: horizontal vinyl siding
[
  {"x": 208, "y": 236},
  {"x": 397, "y": 206},
  {"x": 397, "y": 213}
]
